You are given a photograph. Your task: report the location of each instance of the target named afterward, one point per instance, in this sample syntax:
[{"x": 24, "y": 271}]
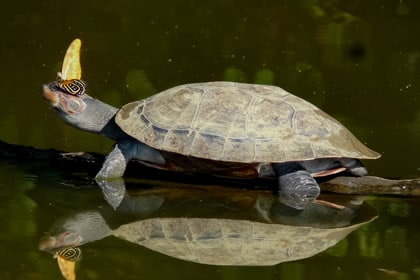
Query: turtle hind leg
[
  {"x": 297, "y": 188},
  {"x": 354, "y": 166}
]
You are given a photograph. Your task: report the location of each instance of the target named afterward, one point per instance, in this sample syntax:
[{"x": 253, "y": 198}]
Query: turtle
[
  {"x": 222, "y": 241},
  {"x": 223, "y": 128},
  {"x": 220, "y": 128},
  {"x": 256, "y": 231}
]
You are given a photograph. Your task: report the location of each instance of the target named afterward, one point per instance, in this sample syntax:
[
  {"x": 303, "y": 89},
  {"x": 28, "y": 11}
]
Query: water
[
  {"x": 357, "y": 61},
  {"x": 38, "y": 195}
]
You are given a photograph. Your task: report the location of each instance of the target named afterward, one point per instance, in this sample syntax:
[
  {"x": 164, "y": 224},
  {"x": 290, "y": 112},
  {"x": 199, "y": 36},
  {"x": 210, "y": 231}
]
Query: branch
[
  {"x": 372, "y": 185},
  {"x": 91, "y": 162}
]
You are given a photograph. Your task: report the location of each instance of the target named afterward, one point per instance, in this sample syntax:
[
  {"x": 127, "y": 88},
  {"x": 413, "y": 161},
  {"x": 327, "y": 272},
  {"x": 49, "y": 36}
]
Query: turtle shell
[
  {"x": 231, "y": 242},
  {"x": 234, "y": 122}
]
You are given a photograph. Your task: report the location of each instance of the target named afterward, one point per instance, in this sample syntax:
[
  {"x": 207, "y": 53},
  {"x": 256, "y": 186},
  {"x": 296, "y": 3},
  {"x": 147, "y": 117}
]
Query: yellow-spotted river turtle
[
  {"x": 221, "y": 128},
  {"x": 212, "y": 227}
]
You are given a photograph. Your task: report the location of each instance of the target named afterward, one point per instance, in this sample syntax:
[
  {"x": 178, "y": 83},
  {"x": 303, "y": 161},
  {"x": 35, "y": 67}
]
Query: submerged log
[
  {"x": 91, "y": 162},
  {"x": 12, "y": 151},
  {"x": 371, "y": 185}
]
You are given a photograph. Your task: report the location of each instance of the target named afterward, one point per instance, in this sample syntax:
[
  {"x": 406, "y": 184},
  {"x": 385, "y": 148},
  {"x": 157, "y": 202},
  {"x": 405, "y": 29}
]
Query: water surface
[{"x": 35, "y": 199}]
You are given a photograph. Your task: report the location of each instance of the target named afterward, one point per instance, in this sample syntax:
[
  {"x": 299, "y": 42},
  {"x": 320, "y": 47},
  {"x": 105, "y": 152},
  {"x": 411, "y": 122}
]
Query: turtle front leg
[
  {"x": 124, "y": 151},
  {"x": 116, "y": 162},
  {"x": 297, "y": 188},
  {"x": 109, "y": 177},
  {"x": 113, "y": 190}
]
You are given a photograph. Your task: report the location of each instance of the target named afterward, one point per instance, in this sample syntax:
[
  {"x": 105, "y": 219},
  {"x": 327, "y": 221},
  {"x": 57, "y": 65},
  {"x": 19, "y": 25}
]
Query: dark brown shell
[{"x": 235, "y": 122}]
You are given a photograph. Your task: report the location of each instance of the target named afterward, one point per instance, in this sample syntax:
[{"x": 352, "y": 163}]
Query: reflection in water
[
  {"x": 66, "y": 259},
  {"x": 250, "y": 228}
]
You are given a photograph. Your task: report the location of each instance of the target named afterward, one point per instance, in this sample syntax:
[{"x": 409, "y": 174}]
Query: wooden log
[
  {"x": 371, "y": 185},
  {"x": 368, "y": 185}
]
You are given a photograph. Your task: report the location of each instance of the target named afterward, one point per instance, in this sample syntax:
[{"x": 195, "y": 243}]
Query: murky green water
[
  {"x": 358, "y": 60},
  {"x": 34, "y": 199}
]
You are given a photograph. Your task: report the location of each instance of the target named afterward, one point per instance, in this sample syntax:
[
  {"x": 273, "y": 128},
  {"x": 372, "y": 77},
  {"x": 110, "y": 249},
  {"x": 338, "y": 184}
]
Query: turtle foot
[
  {"x": 298, "y": 189},
  {"x": 354, "y": 166},
  {"x": 113, "y": 190}
]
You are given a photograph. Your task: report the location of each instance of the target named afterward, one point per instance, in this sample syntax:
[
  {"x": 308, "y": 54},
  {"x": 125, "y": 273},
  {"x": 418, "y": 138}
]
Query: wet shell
[
  {"x": 71, "y": 68},
  {"x": 66, "y": 259}
]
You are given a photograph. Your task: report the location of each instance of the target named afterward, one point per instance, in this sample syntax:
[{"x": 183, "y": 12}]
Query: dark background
[{"x": 357, "y": 60}]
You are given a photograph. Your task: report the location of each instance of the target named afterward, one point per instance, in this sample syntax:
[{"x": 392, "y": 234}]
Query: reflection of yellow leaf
[
  {"x": 71, "y": 68},
  {"x": 66, "y": 259},
  {"x": 67, "y": 268}
]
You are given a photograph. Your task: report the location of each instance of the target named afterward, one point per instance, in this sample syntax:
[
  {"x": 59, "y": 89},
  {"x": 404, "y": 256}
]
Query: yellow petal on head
[
  {"x": 71, "y": 68},
  {"x": 67, "y": 268}
]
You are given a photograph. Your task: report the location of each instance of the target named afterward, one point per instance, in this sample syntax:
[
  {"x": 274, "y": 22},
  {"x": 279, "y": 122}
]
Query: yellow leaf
[{"x": 71, "y": 68}]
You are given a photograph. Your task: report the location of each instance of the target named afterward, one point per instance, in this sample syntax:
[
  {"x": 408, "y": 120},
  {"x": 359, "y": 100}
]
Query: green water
[
  {"x": 34, "y": 199},
  {"x": 359, "y": 61}
]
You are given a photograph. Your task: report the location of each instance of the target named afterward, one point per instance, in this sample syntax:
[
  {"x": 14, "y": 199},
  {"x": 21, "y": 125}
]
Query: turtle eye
[
  {"x": 55, "y": 86},
  {"x": 73, "y": 87}
]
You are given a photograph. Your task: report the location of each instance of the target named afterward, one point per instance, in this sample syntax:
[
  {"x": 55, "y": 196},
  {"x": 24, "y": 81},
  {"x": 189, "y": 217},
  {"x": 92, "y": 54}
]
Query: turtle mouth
[
  {"x": 47, "y": 244},
  {"x": 51, "y": 243}
]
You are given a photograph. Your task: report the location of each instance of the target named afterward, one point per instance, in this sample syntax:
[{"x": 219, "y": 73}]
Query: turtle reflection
[{"x": 244, "y": 228}]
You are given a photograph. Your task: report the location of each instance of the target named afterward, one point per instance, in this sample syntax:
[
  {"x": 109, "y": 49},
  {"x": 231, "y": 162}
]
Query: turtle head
[
  {"x": 75, "y": 230},
  {"x": 80, "y": 110}
]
